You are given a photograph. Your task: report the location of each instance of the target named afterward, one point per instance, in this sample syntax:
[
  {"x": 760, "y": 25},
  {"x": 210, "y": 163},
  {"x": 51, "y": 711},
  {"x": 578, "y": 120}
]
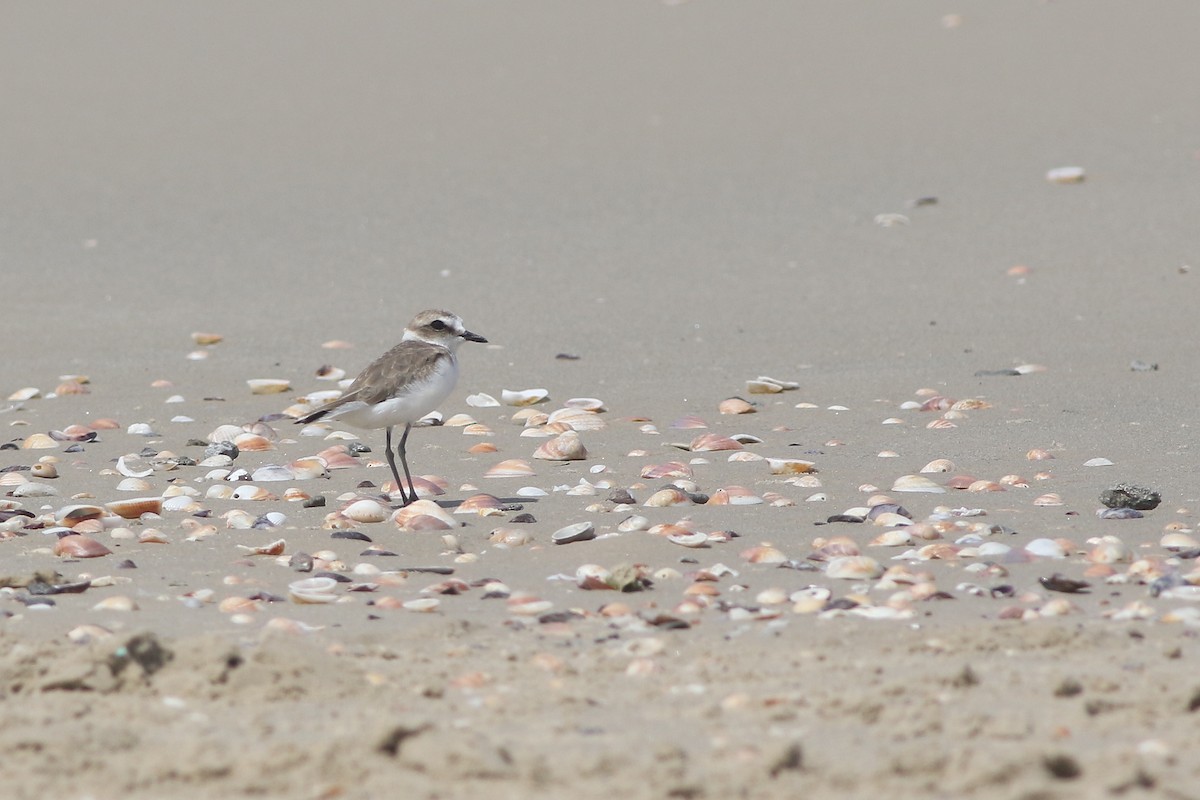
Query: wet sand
[{"x": 685, "y": 197}]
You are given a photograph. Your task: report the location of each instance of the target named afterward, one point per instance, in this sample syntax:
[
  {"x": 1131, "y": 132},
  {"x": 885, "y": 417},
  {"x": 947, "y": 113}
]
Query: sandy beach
[{"x": 894, "y": 575}]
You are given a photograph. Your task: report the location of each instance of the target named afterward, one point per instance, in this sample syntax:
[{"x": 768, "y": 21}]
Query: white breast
[{"x": 407, "y": 404}]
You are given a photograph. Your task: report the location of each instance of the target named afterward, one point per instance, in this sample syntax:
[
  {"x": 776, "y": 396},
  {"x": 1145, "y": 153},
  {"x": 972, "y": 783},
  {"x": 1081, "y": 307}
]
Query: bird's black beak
[{"x": 473, "y": 337}]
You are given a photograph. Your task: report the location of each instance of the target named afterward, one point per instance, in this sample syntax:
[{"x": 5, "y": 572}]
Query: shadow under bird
[{"x": 403, "y": 385}]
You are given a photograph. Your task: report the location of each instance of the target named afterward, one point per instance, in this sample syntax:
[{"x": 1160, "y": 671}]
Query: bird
[{"x": 403, "y": 385}]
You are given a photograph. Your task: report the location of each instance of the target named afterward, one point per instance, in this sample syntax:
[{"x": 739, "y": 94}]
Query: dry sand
[{"x": 685, "y": 196}]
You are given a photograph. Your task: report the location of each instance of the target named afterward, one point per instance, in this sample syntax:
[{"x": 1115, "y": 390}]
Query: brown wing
[{"x": 406, "y": 362}]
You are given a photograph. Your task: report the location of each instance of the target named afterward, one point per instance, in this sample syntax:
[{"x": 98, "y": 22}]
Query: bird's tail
[{"x": 313, "y": 416}]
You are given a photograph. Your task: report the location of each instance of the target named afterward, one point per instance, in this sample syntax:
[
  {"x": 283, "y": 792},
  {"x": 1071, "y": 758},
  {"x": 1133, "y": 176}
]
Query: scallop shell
[
  {"x": 764, "y": 554},
  {"x": 523, "y": 397},
  {"x": 564, "y": 447},
  {"x": 664, "y": 498},
  {"x": 268, "y": 385},
  {"x": 135, "y": 507},
  {"x": 38, "y": 441},
  {"x": 459, "y": 421},
  {"x": 78, "y": 546},
  {"x": 711, "y": 442},
  {"x": 735, "y": 405},
  {"x": 510, "y": 468},
  {"x": 423, "y": 515},
  {"x": 671, "y": 469},
  {"x": 916, "y": 483},
  {"x": 577, "y": 418},
  {"x": 253, "y": 442},
  {"x": 485, "y": 505},
  {"x": 366, "y": 511},
  {"x": 853, "y": 568}
]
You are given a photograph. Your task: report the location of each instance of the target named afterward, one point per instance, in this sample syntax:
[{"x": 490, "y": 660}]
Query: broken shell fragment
[
  {"x": 790, "y": 466},
  {"x": 268, "y": 385},
  {"x": 523, "y": 397},
  {"x": 579, "y": 532}
]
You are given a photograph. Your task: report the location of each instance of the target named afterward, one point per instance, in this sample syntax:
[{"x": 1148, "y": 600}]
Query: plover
[{"x": 404, "y": 384}]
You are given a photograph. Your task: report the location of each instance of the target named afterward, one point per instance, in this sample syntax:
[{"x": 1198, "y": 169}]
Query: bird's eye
[{"x": 438, "y": 325}]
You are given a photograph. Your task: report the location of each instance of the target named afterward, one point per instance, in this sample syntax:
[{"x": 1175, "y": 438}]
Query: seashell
[
  {"x": 238, "y": 605},
  {"x": 523, "y": 397},
  {"x": 790, "y": 466},
  {"x": 422, "y": 605},
  {"x": 28, "y": 393},
  {"x": 579, "y": 532},
  {"x": 891, "y": 220},
  {"x": 70, "y": 516},
  {"x": 1046, "y": 548},
  {"x": 1016, "y": 481},
  {"x": 896, "y": 537},
  {"x": 459, "y": 421},
  {"x": 201, "y": 338},
  {"x": 268, "y": 385},
  {"x": 632, "y": 523},
  {"x": 477, "y": 429},
  {"x": 135, "y": 507},
  {"x": 76, "y": 546},
  {"x": 366, "y": 511},
  {"x": 118, "y": 602},
  {"x": 275, "y": 548},
  {"x": 482, "y": 400},
  {"x": 1109, "y": 550},
  {"x": 664, "y": 498},
  {"x": 916, "y": 483},
  {"x": 734, "y": 496},
  {"x": 225, "y": 433},
  {"x": 86, "y": 634},
  {"x": 735, "y": 405},
  {"x": 219, "y": 491},
  {"x": 688, "y": 422},
  {"x": 970, "y": 404},
  {"x": 763, "y": 386},
  {"x": 1038, "y": 454},
  {"x": 34, "y": 489},
  {"x": 38, "y": 441},
  {"x": 710, "y": 442},
  {"x": 763, "y": 554},
  {"x": 238, "y": 520},
  {"x": 44, "y": 470},
  {"x": 689, "y": 539},
  {"x": 13, "y": 479},
  {"x": 1064, "y": 175},
  {"x": 1049, "y": 499},
  {"x": 564, "y": 447},
  {"x": 509, "y": 537},
  {"x": 313, "y": 590},
  {"x": 510, "y": 468},
  {"x": 423, "y": 515},
  {"x": 485, "y": 505},
  {"x": 70, "y": 387},
  {"x": 181, "y": 503},
  {"x": 586, "y": 403},
  {"x": 1177, "y": 540},
  {"x": 253, "y": 442},
  {"x": 134, "y": 485},
  {"x": 853, "y": 568},
  {"x": 672, "y": 469},
  {"x": 577, "y": 419},
  {"x": 250, "y": 492},
  {"x": 152, "y": 536},
  {"x": 938, "y": 465},
  {"x": 985, "y": 486},
  {"x": 1098, "y": 462},
  {"x": 940, "y": 424},
  {"x": 328, "y": 372}
]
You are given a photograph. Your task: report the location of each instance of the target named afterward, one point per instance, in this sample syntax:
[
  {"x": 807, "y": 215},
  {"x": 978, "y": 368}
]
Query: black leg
[
  {"x": 412, "y": 490},
  {"x": 391, "y": 457}
]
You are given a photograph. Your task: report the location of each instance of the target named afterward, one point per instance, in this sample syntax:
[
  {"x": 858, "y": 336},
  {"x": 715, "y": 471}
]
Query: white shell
[
  {"x": 523, "y": 397},
  {"x": 313, "y": 590},
  {"x": 579, "y": 532}
]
